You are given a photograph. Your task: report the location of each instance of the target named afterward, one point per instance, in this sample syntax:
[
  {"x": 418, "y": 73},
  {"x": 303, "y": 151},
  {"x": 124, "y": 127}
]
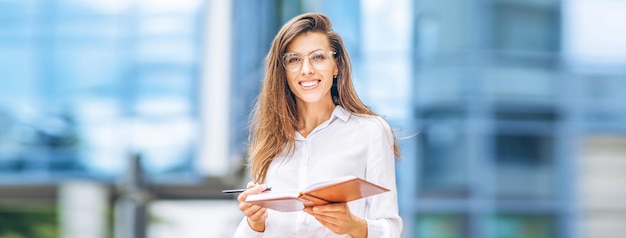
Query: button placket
[{"x": 302, "y": 183}]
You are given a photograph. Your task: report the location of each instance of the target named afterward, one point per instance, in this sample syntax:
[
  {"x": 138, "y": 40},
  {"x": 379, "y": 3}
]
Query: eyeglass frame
[{"x": 305, "y": 56}]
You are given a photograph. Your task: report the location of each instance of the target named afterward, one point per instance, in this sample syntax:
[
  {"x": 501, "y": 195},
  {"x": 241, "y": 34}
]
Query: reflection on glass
[
  {"x": 524, "y": 166},
  {"x": 441, "y": 226},
  {"x": 526, "y": 26},
  {"x": 92, "y": 82},
  {"x": 444, "y": 164},
  {"x": 524, "y": 226}
]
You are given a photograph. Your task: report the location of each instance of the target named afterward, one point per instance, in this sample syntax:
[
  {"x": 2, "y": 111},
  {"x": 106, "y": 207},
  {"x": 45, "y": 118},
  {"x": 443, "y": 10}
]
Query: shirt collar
[{"x": 340, "y": 113}]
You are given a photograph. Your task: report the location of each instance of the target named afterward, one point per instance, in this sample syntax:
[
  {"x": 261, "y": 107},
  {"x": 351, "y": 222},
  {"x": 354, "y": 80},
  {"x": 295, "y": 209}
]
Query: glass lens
[
  {"x": 320, "y": 59},
  {"x": 318, "y": 56},
  {"x": 292, "y": 61}
]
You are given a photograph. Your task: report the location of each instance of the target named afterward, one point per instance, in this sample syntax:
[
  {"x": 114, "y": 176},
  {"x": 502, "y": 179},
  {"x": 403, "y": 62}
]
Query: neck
[{"x": 312, "y": 115}]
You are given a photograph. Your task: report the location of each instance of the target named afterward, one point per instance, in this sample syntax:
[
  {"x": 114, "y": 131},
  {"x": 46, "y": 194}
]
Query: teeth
[{"x": 309, "y": 84}]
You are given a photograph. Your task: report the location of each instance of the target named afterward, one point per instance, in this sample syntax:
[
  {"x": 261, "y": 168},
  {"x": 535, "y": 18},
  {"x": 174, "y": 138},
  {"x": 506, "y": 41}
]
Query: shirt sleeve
[
  {"x": 382, "y": 216},
  {"x": 244, "y": 230}
]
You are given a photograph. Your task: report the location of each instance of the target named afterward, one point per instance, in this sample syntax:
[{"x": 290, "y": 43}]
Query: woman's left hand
[{"x": 338, "y": 218}]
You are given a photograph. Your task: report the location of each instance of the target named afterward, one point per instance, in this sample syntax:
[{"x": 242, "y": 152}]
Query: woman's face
[{"x": 310, "y": 82}]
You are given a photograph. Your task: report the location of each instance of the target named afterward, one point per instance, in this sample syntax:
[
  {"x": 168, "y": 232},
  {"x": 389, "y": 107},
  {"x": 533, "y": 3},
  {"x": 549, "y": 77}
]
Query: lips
[{"x": 308, "y": 84}]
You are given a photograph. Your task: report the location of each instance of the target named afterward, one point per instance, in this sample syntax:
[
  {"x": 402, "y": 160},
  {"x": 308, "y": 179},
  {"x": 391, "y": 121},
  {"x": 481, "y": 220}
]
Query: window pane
[
  {"x": 518, "y": 81},
  {"x": 524, "y": 226},
  {"x": 441, "y": 226},
  {"x": 440, "y": 83},
  {"x": 444, "y": 167},
  {"x": 93, "y": 80},
  {"x": 524, "y": 166},
  {"x": 604, "y": 98},
  {"x": 526, "y": 26},
  {"x": 18, "y": 63}
]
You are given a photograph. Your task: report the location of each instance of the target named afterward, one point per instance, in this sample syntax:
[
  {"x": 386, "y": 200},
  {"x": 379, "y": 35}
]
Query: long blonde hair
[{"x": 275, "y": 117}]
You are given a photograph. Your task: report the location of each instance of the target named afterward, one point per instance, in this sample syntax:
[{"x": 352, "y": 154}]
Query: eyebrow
[{"x": 290, "y": 52}]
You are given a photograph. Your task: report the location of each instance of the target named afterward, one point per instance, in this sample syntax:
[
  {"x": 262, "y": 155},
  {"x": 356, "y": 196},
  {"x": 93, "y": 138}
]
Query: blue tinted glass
[{"x": 86, "y": 82}]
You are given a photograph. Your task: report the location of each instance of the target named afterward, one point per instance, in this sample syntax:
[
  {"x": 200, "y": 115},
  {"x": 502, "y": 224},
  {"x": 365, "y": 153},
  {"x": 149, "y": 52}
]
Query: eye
[
  {"x": 318, "y": 56},
  {"x": 292, "y": 59}
]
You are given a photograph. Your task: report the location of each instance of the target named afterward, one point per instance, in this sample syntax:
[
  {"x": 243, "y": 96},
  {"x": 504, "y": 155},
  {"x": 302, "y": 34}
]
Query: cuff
[
  {"x": 244, "y": 230},
  {"x": 380, "y": 228},
  {"x": 375, "y": 229}
]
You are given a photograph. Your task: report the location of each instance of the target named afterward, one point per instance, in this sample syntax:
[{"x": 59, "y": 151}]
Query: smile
[{"x": 310, "y": 83}]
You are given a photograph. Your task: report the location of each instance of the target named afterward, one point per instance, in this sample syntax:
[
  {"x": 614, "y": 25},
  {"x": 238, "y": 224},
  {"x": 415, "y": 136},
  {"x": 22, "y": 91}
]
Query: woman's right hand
[{"x": 255, "y": 214}]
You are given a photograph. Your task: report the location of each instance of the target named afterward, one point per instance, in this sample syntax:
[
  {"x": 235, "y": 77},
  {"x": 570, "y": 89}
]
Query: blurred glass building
[{"x": 511, "y": 113}]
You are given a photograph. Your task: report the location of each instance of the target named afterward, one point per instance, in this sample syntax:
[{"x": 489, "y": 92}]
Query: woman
[{"x": 309, "y": 125}]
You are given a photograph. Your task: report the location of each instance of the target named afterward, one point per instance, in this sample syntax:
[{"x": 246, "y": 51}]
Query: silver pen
[{"x": 231, "y": 191}]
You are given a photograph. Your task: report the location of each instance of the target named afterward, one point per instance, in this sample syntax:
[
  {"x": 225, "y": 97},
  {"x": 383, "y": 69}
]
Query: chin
[{"x": 311, "y": 100}]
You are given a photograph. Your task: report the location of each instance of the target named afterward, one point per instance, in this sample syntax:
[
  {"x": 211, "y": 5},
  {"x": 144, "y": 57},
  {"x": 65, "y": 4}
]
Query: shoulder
[
  {"x": 376, "y": 132},
  {"x": 371, "y": 124},
  {"x": 364, "y": 124}
]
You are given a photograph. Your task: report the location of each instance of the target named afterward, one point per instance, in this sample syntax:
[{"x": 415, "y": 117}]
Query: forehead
[{"x": 307, "y": 42}]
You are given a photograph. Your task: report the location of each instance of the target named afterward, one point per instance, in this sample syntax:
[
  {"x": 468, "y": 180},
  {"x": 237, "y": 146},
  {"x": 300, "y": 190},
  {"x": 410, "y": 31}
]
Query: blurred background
[{"x": 126, "y": 118}]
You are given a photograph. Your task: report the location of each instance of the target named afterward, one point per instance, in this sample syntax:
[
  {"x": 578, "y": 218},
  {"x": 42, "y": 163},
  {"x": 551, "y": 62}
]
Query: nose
[{"x": 307, "y": 67}]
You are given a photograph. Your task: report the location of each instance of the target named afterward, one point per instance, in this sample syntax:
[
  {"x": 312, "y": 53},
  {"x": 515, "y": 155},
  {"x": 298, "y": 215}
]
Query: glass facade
[
  {"x": 85, "y": 84},
  {"x": 501, "y": 111}
]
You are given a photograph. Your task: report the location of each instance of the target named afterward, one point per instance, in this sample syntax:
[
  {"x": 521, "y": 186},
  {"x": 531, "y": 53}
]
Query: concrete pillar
[
  {"x": 601, "y": 187},
  {"x": 215, "y": 90},
  {"x": 83, "y": 209}
]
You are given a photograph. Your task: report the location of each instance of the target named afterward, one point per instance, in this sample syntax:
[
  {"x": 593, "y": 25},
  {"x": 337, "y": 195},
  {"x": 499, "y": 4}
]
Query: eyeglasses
[{"x": 320, "y": 59}]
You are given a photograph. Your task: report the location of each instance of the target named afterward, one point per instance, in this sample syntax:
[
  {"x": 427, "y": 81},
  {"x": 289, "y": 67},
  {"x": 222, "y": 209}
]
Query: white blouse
[{"x": 343, "y": 145}]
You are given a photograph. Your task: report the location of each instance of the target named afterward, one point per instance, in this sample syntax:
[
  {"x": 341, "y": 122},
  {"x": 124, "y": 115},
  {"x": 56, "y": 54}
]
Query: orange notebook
[{"x": 342, "y": 189}]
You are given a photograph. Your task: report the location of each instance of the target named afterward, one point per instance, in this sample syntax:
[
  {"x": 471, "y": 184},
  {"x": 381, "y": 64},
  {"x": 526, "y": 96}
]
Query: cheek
[
  {"x": 290, "y": 81},
  {"x": 330, "y": 75}
]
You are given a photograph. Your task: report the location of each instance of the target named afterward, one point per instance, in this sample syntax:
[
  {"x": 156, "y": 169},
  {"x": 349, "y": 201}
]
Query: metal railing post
[{"x": 131, "y": 203}]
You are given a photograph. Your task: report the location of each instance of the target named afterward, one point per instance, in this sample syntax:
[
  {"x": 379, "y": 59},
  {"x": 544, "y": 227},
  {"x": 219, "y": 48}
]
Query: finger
[
  {"x": 259, "y": 215},
  {"x": 251, "y": 210},
  {"x": 250, "y": 184},
  {"x": 243, "y": 206},
  {"x": 252, "y": 188},
  {"x": 328, "y": 217},
  {"x": 256, "y": 188},
  {"x": 333, "y": 207},
  {"x": 336, "y": 215},
  {"x": 327, "y": 223},
  {"x": 242, "y": 196}
]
